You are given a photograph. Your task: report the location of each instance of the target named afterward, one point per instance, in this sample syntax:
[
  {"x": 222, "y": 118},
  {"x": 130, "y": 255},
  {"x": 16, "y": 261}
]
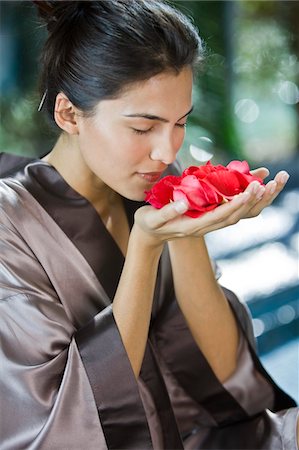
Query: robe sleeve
[
  {"x": 55, "y": 380},
  {"x": 189, "y": 375}
]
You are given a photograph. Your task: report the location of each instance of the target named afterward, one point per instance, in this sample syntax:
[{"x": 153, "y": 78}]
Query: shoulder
[
  {"x": 20, "y": 269},
  {"x": 10, "y": 200},
  {"x": 10, "y": 163}
]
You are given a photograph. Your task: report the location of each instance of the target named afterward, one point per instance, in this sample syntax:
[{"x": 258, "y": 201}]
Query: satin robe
[{"x": 66, "y": 381}]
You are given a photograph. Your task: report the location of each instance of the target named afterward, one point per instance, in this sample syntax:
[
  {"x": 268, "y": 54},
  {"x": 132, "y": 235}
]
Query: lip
[{"x": 150, "y": 177}]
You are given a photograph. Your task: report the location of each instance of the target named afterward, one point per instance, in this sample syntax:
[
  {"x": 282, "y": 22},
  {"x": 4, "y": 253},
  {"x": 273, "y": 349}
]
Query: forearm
[
  {"x": 204, "y": 305},
  {"x": 132, "y": 303}
]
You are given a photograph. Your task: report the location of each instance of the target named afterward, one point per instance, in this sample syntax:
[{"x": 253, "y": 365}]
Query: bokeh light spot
[
  {"x": 258, "y": 327},
  {"x": 203, "y": 151},
  {"x": 247, "y": 110},
  {"x": 288, "y": 92},
  {"x": 286, "y": 314}
]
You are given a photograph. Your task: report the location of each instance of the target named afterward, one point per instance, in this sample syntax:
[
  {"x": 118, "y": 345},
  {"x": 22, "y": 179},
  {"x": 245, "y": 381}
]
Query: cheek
[
  {"x": 105, "y": 146},
  {"x": 93, "y": 150},
  {"x": 179, "y": 139},
  {"x": 94, "y": 142},
  {"x": 132, "y": 149}
]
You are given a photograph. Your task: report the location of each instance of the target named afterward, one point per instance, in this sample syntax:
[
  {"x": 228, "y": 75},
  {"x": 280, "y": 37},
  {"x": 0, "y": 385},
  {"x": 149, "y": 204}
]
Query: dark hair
[{"x": 95, "y": 49}]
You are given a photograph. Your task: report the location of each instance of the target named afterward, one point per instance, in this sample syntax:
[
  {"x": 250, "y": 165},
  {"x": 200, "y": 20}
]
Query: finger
[
  {"x": 261, "y": 172},
  {"x": 239, "y": 207},
  {"x": 274, "y": 187},
  {"x": 159, "y": 217},
  {"x": 255, "y": 193},
  {"x": 219, "y": 217},
  {"x": 265, "y": 199},
  {"x": 224, "y": 214},
  {"x": 272, "y": 190},
  {"x": 256, "y": 189},
  {"x": 281, "y": 178},
  {"x": 258, "y": 200}
]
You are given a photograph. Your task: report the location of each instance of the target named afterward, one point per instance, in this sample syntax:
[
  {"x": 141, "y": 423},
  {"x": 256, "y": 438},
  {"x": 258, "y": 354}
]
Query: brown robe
[{"x": 66, "y": 381}]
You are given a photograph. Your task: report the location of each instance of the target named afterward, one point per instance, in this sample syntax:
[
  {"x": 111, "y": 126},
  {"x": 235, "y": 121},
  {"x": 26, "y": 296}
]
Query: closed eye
[{"x": 135, "y": 130}]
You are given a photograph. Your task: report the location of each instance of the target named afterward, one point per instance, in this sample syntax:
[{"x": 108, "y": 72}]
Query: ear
[{"x": 65, "y": 114}]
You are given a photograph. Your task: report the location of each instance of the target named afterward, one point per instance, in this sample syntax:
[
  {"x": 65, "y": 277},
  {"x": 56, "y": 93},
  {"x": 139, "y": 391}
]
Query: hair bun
[
  {"x": 53, "y": 11},
  {"x": 46, "y": 11}
]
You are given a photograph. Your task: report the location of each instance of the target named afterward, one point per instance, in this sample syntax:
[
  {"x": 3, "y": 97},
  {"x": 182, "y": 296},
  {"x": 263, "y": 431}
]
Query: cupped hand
[
  {"x": 272, "y": 189},
  {"x": 168, "y": 223}
]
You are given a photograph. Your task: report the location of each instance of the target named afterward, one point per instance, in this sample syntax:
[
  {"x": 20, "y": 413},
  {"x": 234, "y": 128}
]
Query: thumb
[{"x": 169, "y": 212}]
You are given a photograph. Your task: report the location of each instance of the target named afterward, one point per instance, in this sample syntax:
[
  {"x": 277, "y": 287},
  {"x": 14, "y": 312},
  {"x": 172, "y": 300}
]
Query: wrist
[
  {"x": 145, "y": 242},
  {"x": 187, "y": 242}
]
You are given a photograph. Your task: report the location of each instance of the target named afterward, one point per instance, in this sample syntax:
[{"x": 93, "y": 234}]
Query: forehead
[
  {"x": 171, "y": 78},
  {"x": 166, "y": 92}
]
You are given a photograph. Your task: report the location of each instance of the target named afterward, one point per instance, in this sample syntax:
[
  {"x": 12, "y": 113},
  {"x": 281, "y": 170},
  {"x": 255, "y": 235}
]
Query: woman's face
[{"x": 131, "y": 140}]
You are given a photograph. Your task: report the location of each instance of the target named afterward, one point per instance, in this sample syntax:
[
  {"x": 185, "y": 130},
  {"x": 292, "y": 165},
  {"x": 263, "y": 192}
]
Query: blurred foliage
[
  {"x": 252, "y": 56},
  {"x": 23, "y": 130},
  {"x": 266, "y": 69},
  {"x": 263, "y": 56},
  {"x": 251, "y": 52},
  {"x": 213, "y": 115}
]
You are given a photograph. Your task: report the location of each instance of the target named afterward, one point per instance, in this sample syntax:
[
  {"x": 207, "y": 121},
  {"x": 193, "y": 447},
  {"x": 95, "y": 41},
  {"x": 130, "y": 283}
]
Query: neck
[{"x": 67, "y": 160}]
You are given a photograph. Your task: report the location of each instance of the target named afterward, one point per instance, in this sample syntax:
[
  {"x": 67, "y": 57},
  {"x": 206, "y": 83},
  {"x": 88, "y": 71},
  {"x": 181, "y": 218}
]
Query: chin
[{"x": 134, "y": 196}]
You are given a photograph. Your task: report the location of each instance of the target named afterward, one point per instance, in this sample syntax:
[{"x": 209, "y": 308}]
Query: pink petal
[
  {"x": 179, "y": 195},
  {"x": 240, "y": 166},
  {"x": 198, "y": 193}
]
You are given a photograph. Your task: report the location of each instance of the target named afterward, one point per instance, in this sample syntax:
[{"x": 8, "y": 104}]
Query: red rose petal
[
  {"x": 227, "y": 183},
  {"x": 161, "y": 193},
  {"x": 198, "y": 193},
  {"x": 203, "y": 187}
]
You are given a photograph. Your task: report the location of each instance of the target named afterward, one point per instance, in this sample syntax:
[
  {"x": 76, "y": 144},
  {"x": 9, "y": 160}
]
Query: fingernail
[
  {"x": 284, "y": 177},
  {"x": 180, "y": 206},
  {"x": 273, "y": 186},
  {"x": 260, "y": 192},
  {"x": 254, "y": 186}
]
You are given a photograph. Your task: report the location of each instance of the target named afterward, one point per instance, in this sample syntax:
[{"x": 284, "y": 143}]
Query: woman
[{"x": 115, "y": 333}]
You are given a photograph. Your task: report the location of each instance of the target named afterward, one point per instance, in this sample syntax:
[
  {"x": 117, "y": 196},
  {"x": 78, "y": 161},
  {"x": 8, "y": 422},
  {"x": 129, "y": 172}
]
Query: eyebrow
[{"x": 153, "y": 117}]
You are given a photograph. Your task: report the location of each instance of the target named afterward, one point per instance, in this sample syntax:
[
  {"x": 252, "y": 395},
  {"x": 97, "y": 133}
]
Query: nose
[{"x": 165, "y": 149}]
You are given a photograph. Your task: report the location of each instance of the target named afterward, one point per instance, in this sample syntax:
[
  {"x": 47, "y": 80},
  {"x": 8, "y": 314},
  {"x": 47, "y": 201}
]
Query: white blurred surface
[{"x": 259, "y": 256}]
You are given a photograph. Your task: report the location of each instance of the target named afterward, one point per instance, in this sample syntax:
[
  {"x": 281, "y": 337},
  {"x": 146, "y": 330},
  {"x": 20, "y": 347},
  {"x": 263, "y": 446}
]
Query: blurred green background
[
  {"x": 246, "y": 97},
  {"x": 246, "y": 106}
]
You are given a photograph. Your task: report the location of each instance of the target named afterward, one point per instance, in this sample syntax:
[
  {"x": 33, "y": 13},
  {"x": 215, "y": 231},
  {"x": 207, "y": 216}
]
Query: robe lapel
[
  {"x": 78, "y": 219},
  {"x": 152, "y": 377},
  {"x": 78, "y": 288},
  {"x": 75, "y": 283}
]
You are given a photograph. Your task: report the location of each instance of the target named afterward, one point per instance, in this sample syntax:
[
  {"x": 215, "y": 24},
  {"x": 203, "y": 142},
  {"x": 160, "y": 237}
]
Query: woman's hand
[
  {"x": 272, "y": 189},
  {"x": 167, "y": 223}
]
